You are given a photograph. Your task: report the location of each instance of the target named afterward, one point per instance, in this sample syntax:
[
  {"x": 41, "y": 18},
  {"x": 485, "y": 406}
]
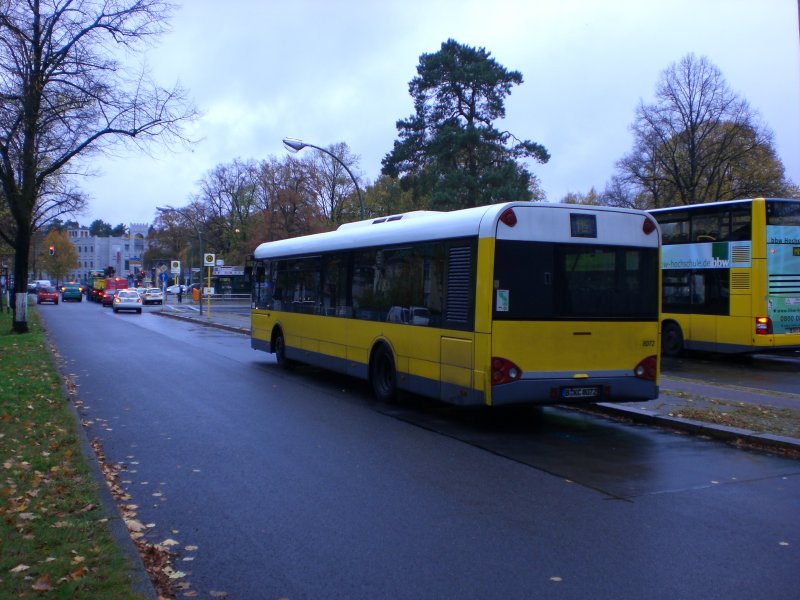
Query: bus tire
[
  {"x": 279, "y": 346},
  {"x": 671, "y": 339},
  {"x": 383, "y": 375}
]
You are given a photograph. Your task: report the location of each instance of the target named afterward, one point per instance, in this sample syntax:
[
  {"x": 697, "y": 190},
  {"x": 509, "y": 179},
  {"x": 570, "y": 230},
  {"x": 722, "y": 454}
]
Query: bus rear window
[{"x": 537, "y": 281}]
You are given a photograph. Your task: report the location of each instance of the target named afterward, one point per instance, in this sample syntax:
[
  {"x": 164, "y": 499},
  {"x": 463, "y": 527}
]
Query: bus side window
[
  {"x": 706, "y": 227},
  {"x": 675, "y": 232},
  {"x": 263, "y": 287},
  {"x": 740, "y": 226},
  {"x": 334, "y": 290}
]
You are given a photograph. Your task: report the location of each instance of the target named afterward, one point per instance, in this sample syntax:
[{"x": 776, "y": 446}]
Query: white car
[
  {"x": 173, "y": 289},
  {"x": 152, "y": 296},
  {"x": 127, "y": 300}
]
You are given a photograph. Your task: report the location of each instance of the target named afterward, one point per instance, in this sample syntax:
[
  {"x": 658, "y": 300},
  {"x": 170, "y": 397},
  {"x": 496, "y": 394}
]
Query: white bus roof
[
  {"x": 481, "y": 221},
  {"x": 716, "y": 205}
]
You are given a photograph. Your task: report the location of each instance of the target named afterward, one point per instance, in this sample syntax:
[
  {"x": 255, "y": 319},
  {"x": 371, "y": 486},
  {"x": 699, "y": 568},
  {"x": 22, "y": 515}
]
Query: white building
[{"x": 96, "y": 253}]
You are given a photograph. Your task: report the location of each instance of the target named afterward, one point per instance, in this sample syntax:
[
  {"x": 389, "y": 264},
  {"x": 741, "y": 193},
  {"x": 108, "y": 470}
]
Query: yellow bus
[
  {"x": 731, "y": 276},
  {"x": 516, "y": 303}
]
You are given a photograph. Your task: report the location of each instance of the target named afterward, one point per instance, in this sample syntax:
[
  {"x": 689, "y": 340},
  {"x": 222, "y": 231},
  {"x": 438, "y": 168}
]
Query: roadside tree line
[{"x": 66, "y": 95}]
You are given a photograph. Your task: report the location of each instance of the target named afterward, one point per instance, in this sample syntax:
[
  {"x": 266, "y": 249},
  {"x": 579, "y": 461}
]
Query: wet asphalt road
[{"x": 298, "y": 485}]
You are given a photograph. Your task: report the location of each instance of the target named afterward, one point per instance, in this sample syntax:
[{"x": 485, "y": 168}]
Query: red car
[
  {"x": 107, "y": 299},
  {"x": 47, "y": 294}
]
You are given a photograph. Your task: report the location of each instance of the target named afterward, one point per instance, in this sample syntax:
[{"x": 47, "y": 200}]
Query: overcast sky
[{"x": 338, "y": 71}]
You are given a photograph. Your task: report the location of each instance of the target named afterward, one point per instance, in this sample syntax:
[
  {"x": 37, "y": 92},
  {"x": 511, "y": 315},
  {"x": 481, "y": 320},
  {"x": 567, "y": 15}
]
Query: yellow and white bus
[
  {"x": 512, "y": 303},
  {"x": 731, "y": 276}
]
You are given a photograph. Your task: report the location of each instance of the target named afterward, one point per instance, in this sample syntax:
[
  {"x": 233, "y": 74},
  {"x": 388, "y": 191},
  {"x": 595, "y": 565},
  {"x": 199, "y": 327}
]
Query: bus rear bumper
[{"x": 571, "y": 391}]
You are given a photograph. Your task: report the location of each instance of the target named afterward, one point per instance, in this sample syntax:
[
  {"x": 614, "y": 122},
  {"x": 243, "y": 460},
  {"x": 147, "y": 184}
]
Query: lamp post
[
  {"x": 168, "y": 209},
  {"x": 294, "y": 145}
]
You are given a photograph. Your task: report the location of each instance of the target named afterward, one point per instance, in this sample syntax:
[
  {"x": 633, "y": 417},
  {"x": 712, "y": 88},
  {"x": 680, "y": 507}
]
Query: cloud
[{"x": 330, "y": 72}]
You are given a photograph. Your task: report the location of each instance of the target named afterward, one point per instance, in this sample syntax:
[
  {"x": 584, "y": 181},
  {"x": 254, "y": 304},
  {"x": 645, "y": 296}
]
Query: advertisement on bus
[{"x": 783, "y": 275}]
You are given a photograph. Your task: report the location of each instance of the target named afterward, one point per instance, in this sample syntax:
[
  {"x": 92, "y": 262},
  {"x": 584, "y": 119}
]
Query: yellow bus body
[
  {"x": 748, "y": 288},
  {"x": 454, "y": 366},
  {"x": 559, "y": 360}
]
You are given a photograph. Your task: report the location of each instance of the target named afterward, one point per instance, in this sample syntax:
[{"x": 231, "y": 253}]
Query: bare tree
[
  {"x": 333, "y": 190},
  {"x": 64, "y": 95},
  {"x": 693, "y": 143},
  {"x": 229, "y": 192},
  {"x": 286, "y": 200}
]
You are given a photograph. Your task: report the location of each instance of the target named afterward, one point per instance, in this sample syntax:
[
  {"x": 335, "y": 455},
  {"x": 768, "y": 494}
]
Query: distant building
[{"x": 96, "y": 253}]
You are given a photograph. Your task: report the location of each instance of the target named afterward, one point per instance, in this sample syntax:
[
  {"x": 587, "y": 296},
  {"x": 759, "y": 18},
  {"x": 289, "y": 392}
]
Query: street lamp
[
  {"x": 294, "y": 145},
  {"x": 169, "y": 209}
]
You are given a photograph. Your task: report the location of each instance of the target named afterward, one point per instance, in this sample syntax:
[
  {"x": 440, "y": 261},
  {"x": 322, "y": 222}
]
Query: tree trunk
[{"x": 23, "y": 248}]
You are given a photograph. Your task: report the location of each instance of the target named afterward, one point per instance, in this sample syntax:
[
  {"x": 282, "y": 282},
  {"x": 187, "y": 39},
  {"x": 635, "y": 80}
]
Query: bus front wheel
[
  {"x": 671, "y": 339},
  {"x": 383, "y": 375}
]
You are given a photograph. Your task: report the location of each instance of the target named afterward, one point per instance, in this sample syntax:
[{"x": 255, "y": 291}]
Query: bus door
[{"x": 456, "y": 369}]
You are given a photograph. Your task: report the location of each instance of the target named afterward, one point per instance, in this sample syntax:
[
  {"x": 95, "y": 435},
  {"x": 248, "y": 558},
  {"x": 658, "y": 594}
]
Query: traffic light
[{"x": 52, "y": 250}]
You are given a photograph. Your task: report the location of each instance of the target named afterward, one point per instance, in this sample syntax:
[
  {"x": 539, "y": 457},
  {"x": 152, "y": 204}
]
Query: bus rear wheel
[
  {"x": 383, "y": 375},
  {"x": 671, "y": 339},
  {"x": 279, "y": 345}
]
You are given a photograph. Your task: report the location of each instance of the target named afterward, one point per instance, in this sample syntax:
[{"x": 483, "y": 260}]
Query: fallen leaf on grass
[
  {"x": 78, "y": 573},
  {"x": 19, "y": 569},
  {"x": 43, "y": 584}
]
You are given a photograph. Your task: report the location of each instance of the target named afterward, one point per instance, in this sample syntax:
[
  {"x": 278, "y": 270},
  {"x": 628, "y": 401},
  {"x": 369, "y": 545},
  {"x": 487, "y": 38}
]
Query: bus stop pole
[{"x": 208, "y": 295}]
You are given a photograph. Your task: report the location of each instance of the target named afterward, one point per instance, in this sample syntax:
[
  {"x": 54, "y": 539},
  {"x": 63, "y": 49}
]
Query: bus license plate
[{"x": 572, "y": 393}]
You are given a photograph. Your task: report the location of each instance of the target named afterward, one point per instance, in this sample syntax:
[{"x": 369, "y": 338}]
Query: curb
[
  {"x": 207, "y": 323},
  {"x": 736, "y": 435}
]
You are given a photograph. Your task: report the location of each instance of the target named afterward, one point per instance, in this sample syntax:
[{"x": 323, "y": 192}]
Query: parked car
[
  {"x": 107, "y": 297},
  {"x": 33, "y": 286},
  {"x": 72, "y": 291},
  {"x": 47, "y": 294},
  {"x": 173, "y": 289},
  {"x": 152, "y": 296},
  {"x": 127, "y": 300}
]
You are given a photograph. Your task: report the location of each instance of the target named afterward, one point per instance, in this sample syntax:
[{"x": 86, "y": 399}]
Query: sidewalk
[
  {"x": 220, "y": 317},
  {"x": 679, "y": 398}
]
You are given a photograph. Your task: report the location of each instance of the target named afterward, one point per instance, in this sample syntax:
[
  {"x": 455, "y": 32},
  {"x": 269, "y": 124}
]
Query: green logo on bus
[{"x": 719, "y": 251}]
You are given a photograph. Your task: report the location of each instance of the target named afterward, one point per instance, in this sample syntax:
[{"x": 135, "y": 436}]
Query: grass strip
[{"x": 55, "y": 540}]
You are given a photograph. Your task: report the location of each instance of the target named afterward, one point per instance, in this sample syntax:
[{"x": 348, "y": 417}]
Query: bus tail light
[
  {"x": 648, "y": 226},
  {"x": 763, "y": 326},
  {"x": 509, "y": 217},
  {"x": 647, "y": 368},
  {"x": 504, "y": 371}
]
